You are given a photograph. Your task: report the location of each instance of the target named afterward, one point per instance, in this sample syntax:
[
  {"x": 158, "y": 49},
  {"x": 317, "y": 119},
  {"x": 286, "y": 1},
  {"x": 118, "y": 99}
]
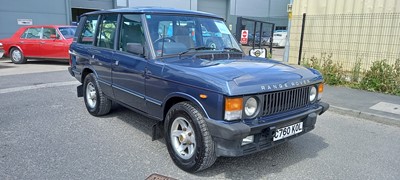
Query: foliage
[
  {"x": 332, "y": 72},
  {"x": 356, "y": 72},
  {"x": 382, "y": 77}
]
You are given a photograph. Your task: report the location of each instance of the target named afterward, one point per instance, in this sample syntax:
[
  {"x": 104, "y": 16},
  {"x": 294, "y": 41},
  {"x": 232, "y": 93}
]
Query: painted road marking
[
  {"x": 39, "y": 86},
  {"x": 387, "y": 107}
]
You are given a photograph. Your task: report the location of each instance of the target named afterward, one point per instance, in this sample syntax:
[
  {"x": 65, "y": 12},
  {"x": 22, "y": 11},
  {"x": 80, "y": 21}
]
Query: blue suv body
[{"x": 209, "y": 98}]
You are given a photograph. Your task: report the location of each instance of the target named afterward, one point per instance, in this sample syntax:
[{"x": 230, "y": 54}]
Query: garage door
[{"x": 217, "y": 7}]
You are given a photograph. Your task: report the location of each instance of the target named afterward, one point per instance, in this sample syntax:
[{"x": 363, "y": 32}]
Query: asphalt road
[{"x": 46, "y": 133}]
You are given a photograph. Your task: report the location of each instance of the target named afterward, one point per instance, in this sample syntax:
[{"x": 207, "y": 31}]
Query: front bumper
[{"x": 228, "y": 137}]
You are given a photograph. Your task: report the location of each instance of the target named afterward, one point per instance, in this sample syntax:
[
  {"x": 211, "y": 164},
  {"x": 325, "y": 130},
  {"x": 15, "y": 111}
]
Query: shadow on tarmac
[{"x": 254, "y": 166}]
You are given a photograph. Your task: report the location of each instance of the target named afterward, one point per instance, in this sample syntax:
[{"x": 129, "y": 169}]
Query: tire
[
  {"x": 96, "y": 102},
  {"x": 17, "y": 57},
  {"x": 186, "y": 131}
]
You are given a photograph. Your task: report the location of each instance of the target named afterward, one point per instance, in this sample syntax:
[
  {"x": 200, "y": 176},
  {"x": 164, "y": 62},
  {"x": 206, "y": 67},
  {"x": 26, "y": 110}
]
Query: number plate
[{"x": 288, "y": 131}]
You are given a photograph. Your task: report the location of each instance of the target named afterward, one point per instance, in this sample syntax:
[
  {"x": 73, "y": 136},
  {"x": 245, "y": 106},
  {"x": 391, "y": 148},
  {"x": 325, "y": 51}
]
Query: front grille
[{"x": 287, "y": 100}]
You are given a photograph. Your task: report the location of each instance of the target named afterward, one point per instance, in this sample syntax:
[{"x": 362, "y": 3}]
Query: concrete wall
[
  {"x": 93, "y": 4},
  {"x": 180, "y": 4},
  {"x": 273, "y": 11},
  {"x": 218, "y": 7},
  {"x": 40, "y": 11}
]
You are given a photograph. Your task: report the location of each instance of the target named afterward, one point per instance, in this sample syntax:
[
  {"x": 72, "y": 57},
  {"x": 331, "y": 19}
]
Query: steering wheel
[{"x": 164, "y": 38}]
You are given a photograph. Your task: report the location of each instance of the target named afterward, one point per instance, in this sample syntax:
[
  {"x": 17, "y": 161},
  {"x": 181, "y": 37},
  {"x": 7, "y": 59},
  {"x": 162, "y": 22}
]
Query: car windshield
[
  {"x": 173, "y": 34},
  {"x": 67, "y": 32}
]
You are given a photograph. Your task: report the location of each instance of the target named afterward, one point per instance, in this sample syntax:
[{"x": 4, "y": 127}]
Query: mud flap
[
  {"x": 79, "y": 90},
  {"x": 158, "y": 131}
]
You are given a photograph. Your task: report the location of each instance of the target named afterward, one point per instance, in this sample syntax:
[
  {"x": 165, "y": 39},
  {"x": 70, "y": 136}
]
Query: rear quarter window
[
  {"x": 88, "y": 30},
  {"x": 32, "y": 33}
]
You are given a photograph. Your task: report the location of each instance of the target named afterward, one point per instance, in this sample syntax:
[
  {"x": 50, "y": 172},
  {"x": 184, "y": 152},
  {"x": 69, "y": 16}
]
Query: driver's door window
[{"x": 131, "y": 32}]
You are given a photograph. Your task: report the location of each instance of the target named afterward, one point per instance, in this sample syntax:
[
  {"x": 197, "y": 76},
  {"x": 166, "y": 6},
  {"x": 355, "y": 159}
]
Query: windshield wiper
[
  {"x": 196, "y": 49},
  {"x": 233, "y": 49}
]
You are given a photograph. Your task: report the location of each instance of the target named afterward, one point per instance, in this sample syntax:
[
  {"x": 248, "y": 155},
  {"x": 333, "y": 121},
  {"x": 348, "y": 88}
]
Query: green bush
[
  {"x": 382, "y": 77},
  {"x": 332, "y": 72},
  {"x": 356, "y": 72}
]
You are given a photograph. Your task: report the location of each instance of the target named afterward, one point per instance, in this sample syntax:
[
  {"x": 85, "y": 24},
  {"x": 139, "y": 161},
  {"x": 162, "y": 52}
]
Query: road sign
[{"x": 244, "y": 36}]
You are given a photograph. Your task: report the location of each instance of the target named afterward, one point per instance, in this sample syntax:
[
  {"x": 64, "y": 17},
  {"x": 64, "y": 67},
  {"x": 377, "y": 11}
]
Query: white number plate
[{"x": 288, "y": 131}]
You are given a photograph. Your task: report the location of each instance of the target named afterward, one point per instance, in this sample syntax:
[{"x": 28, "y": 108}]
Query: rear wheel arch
[{"x": 85, "y": 72}]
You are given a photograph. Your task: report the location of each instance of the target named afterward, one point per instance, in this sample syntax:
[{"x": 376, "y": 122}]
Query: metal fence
[{"x": 349, "y": 38}]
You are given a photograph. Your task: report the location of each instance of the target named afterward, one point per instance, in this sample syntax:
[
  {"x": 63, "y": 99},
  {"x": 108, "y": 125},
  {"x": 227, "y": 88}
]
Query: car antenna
[{"x": 162, "y": 45}]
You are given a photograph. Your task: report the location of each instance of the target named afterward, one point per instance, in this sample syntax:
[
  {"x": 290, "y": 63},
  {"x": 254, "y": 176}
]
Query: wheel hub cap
[
  {"x": 91, "y": 96},
  {"x": 16, "y": 55},
  {"x": 183, "y": 138}
]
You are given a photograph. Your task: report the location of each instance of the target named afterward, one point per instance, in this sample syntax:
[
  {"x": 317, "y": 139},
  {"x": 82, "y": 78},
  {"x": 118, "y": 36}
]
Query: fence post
[
  {"x": 238, "y": 28},
  {"x": 301, "y": 38}
]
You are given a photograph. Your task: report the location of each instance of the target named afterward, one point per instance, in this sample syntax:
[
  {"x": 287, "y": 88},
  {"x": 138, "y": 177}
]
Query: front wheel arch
[
  {"x": 176, "y": 98},
  {"x": 22, "y": 58}
]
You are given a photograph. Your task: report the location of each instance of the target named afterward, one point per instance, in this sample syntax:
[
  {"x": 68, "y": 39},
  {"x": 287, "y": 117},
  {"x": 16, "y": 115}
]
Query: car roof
[
  {"x": 158, "y": 10},
  {"x": 55, "y": 26}
]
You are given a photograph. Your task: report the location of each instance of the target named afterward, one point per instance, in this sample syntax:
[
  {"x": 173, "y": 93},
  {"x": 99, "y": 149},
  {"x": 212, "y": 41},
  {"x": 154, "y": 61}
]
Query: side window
[
  {"x": 88, "y": 30},
  {"x": 106, "y": 35},
  {"x": 47, "y": 32},
  {"x": 131, "y": 31},
  {"x": 32, "y": 33}
]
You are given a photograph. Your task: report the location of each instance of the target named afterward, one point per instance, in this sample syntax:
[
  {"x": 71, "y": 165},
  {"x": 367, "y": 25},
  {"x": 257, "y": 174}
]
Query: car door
[
  {"x": 104, "y": 50},
  {"x": 129, "y": 67},
  {"x": 51, "y": 45},
  {"x": 29, "y": 41}
]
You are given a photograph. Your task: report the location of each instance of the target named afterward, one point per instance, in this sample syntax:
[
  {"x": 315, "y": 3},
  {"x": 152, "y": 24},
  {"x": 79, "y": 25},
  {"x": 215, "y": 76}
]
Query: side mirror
[
  {"x": 53, "y": 36},
  {"x": 135, "y": 48}
]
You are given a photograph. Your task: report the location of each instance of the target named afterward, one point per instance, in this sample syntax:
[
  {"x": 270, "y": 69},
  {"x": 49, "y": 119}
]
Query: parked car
[
  {"x": 49, "y": 41},
  {"x": 209, "y": 101},
  {"x": 264, "y": 39},
  {"x": 279, "y": 39}
]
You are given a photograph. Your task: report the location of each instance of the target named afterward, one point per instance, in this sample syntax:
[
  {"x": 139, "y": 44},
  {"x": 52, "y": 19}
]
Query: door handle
[
  {"x": 116, "y": 63},
  {"x": 41, "y": 42},
  {"x": 21, "y": 42}
]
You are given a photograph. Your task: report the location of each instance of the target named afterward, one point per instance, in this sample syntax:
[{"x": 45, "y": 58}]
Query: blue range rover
[{"x": 210, "y": 99}]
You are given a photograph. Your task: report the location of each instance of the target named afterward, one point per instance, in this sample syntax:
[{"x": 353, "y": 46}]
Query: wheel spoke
[
  {"x": 189, "y": 129},
  {"x": 176, "y": 133},
  {"x": 192, "y": 139},
  {"x": 190, "y": 149},
  {"x": 181, "y": 148},
  {"x": 183, "y": 124}
]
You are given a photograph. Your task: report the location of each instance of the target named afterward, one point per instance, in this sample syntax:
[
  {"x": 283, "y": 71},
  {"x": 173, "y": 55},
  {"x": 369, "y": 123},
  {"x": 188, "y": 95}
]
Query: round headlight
[
  {"x": 313, "y": 93},
  {"x": 250, "y": 107}
]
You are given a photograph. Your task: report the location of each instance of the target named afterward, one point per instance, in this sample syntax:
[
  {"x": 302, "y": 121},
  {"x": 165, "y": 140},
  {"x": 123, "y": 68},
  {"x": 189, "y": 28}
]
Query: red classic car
[{"x": 47, "y": 41}]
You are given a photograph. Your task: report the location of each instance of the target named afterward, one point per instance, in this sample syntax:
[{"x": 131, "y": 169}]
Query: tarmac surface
[{"x": 378, "y": 107}]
